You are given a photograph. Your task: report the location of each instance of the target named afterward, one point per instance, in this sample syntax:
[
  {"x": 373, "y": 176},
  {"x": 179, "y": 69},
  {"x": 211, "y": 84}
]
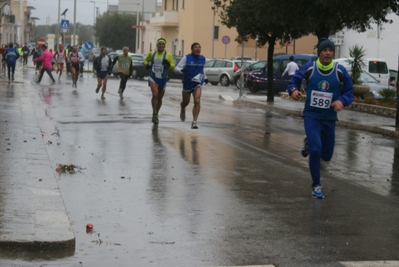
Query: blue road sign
[
  {"x": 64, "y": 25},
  {"x": 88, "y": 45}
]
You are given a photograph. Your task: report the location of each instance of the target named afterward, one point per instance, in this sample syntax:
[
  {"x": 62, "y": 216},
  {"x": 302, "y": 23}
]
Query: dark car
[
  {"x": 247, "y": 68},
  {"x": 139, "y": 71},
  {"x": 257, "y": 79},
  {"x": 171, "y": 74}
]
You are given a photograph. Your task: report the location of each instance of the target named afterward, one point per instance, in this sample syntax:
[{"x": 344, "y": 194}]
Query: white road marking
[{"x": 370, "y": 263}]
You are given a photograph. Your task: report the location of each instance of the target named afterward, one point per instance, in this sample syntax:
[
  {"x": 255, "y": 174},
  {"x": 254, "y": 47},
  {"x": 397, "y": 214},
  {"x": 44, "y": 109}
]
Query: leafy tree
[
  {"x": 278, "y": 21},
  {"x": 115, "y": 30}
]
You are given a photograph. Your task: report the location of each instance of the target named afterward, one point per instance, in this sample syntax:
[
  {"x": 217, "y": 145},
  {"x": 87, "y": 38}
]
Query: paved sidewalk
[
  {"x": 347, "y": 118},
  {"x": 32, "y": 211}
]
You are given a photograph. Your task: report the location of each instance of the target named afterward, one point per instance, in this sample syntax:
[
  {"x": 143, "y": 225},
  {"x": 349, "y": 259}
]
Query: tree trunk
[{"x": 270, "y": 52}]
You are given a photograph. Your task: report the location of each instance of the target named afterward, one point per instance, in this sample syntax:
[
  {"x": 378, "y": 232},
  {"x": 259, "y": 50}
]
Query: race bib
[
  {"x": 125, "y": 65},
  {"x": 198, "y": 78},
  {"x": 157, "y": 69},
  {"x": 321, "y": 99}
]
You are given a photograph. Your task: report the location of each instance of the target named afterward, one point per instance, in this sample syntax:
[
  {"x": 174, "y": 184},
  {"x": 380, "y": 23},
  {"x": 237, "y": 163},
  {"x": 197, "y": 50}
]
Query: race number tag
[
  {"x": 125, "y": 65},
  {"x": 157, "y": 69},
  {"x": 320, "y": 99},
  {"x": 198, "y": 78}
]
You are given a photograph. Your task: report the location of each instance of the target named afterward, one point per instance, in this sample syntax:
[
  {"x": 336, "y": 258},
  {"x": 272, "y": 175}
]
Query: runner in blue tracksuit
[
  {"x": 11, "y": 55},
  {"x": 328, "y": 90},
  {"x": 192, "y": 67}
]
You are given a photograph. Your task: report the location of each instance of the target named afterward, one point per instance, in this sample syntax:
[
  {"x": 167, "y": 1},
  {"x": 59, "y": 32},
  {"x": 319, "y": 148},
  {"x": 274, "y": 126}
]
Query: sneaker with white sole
[
  {"x": 305, "y": 148},
  {"x": 194, "y": 125},
  {"x": 316, "y": 193}
]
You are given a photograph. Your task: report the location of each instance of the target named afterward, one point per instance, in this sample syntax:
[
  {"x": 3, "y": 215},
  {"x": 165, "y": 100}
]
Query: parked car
[
  {"x": 221, "y": 71},
  {"x": 240, "y": 57},
  {"x": 376, "y": 67},
  {"x": 375, "y": 85},
  {"x": 254, "y": 66},
  {"x": 257, "y": 79},
  {"x": 171, "y": 74}
]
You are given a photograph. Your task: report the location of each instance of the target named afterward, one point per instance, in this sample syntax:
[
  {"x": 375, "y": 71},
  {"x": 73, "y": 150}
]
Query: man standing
[
  {"x": 124, "y": 68},
  {"x": 60, "y": 56},
  {"x": 291, "y": 68},
  {"x": 103, "y": 66},
  {"x": 74, "y": 61},
  {"x": 46, "y": 58},
  {"x": 192, "y": 67},
  {"x": 159, "y": 61},
  {"x": 11, "y": 55},
  {"x": 25, "y": 53},
  {"x": 328, "y": 90}
]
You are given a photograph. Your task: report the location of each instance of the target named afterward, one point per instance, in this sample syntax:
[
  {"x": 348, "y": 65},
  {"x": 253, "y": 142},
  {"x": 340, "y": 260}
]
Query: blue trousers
[{"x": 321, "y": 141}]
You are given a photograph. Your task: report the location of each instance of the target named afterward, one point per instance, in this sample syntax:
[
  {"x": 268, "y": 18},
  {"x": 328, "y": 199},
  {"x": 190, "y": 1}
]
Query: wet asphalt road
[{"x": 234, "y": 192}]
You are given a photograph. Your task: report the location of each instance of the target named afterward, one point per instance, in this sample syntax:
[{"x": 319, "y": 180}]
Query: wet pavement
[{"x": 233, "y": 193}]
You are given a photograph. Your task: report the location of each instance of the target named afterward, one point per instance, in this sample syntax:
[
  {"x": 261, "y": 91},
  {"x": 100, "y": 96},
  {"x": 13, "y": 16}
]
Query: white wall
[{"x": 381, "y": 43}]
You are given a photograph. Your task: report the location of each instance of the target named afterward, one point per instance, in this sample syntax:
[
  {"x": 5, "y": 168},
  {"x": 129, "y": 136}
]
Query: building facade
[
  {"x": 17, "y": 26},
  {"x": 182, "y": 22},
  {"x": 380, "y": 41}
]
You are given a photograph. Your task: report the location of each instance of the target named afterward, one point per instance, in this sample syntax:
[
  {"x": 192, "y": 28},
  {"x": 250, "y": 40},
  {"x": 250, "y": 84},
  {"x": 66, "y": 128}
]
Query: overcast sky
[{"x": 48, "y": 10}]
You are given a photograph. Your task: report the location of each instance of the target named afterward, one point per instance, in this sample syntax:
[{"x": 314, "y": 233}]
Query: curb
[{"x": 386, "y": 131}]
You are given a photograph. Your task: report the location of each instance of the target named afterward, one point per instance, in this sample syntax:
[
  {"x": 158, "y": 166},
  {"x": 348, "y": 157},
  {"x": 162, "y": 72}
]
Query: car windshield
[{"x": 367, "y": 78}]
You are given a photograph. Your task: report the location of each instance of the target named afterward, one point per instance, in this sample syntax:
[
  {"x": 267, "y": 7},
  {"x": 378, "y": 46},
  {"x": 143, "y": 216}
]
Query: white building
[{"x": 381, "y": 41}]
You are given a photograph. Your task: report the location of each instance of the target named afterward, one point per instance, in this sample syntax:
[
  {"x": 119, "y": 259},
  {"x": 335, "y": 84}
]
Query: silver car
[{"x": 221, "y": 71}]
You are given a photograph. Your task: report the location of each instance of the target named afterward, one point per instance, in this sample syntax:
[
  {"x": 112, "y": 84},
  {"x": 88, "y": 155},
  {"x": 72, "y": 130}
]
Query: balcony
[{"x": 165, "y": 19}]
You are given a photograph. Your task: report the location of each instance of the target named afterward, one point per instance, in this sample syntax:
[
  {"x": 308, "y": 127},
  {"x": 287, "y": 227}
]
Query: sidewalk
[
  {"x": 32, "y": 211},
  {"x": 347, "y": 118}
]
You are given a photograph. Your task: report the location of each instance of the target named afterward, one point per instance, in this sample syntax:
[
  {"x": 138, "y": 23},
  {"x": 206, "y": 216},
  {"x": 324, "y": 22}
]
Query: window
[
  {"x": 300, "y": 62},
  {"x": 182, "y": 5},
  {"x": 284, "y": 64},
  {"x": 219, "y": 64},
  {"x": 228, "y": 64},
  {"x": 182, "y": 47},
  {"x": 165, "y": 5},
  {"x": 378, "y": 67},
  {"x": 216, "y": 32},
  {"x": 209, "y": 64},
  {"x": 177, "y": 5}
]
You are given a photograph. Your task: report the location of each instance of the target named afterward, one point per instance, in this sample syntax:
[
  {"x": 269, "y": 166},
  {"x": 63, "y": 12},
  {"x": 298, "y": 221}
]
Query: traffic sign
[
  {"x": 41, "y": 41},
  {"x": 225, "y": 39},
  {"x": 64, "y": 25},
  {"x": 88, "y": 45}
]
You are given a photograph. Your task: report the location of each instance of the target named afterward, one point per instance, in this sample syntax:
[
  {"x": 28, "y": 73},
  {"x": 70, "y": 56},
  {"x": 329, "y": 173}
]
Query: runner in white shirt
[
  {"x": 291, "y": 68},
  {"x": 59, "y": 57}
]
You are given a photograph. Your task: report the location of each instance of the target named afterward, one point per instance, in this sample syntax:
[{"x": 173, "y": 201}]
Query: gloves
[
  {"x": 166, "y": 63},
  {"x": 148, "y": 67},
  {"x": 184, "y": 70},
  {"x": 206, "y": 81}
]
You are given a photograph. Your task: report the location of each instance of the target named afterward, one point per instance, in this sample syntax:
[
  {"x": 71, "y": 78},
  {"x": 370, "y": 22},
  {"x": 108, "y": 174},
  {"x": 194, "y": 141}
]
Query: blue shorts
[
  {"x": 103, "y": 74},
  {"x": 161, "y": 82}
]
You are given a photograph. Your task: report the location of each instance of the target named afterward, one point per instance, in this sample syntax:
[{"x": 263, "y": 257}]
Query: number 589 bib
[{"x": 320, "y": 99}]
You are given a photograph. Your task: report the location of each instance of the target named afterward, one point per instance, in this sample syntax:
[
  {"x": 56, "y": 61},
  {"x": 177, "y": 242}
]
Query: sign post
[{"x": 225, "y": 41}]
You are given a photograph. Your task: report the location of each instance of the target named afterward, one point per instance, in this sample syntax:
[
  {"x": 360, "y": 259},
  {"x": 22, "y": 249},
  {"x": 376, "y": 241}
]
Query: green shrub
[{"x": 388, "y": 95}]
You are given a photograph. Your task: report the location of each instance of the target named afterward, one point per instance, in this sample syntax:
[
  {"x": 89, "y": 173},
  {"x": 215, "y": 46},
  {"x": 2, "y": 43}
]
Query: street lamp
[
  {"x": 94, "y": 13},
  {"x": 47, "y": 22},
  {"x": 213, "y": 29}
]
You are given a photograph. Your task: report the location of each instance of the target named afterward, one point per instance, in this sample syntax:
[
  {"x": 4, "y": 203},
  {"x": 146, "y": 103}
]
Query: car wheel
[
  {"x": 252, "y": 88},
  {"x": 224, "y": 80},
  {"x": 213, "y": 83},
  {"x": 134, "y": 73}
]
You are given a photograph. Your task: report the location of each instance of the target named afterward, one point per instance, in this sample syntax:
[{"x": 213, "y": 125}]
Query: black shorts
[{"x": 75, "y": 66}]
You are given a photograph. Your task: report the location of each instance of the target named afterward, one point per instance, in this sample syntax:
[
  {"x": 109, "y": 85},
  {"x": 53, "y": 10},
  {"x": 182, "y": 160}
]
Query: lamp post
[
  {"x": 94, "y": 13},
  {"x": 213, "y": 29},
  {"x": 58, "y": 25},
  {"x": 137, "y": 29},
  {"x": 47, "y": 22}
]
